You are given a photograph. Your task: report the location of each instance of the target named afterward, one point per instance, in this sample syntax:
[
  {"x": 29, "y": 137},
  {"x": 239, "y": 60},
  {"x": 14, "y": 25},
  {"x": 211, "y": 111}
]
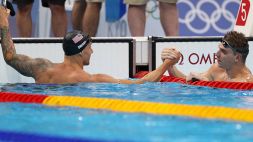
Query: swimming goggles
[{"x": 239, "y": 50}]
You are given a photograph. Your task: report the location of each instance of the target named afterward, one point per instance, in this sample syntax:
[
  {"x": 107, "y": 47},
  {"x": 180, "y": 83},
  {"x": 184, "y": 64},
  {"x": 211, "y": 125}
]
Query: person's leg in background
[
  {"x": 136, "y": 16},
  {"x": 24, "y": 17},
  {"x": 78, "y": 14},
  {"x": 169, "y": 17},
  {"x": 59, "y": 16},
  {"x": 92, "y": 16}
]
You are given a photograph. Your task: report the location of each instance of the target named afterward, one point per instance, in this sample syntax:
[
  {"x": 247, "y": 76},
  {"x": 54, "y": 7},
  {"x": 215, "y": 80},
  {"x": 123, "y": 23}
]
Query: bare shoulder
[
  {"x": 215, "y": 67},
  {"x": 215, "y": 73},
  {"x": 39, "y": 64},
  {"x": 42, "y": 63}
]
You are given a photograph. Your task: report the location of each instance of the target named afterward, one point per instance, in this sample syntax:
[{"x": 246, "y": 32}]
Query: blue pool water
[{"x": 77, "y": 123}]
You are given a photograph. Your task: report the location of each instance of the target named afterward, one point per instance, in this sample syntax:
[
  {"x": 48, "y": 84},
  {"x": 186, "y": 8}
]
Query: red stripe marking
[{"x": 24, "y": 98}]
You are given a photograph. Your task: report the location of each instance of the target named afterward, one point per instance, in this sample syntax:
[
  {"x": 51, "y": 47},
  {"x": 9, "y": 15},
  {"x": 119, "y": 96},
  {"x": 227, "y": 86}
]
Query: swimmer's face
[
  {"x": 86, "y": 54},
  {"x": 225, "y": 56}
]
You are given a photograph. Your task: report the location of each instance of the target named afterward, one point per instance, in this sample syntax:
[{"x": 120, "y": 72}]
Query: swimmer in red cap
[
  {"x": 231, "y": 56},
  {"x": 77, "y": 49}
]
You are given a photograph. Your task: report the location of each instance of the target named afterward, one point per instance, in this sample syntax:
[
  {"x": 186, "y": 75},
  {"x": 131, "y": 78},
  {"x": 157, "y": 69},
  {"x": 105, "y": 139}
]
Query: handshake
[
  {"x": 173, "y": 56},
  {"x": 170, "y": 54}
]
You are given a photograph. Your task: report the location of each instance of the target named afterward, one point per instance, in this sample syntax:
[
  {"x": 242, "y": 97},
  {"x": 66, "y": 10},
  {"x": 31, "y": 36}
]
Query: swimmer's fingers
[{"x": 171, "y": 54}]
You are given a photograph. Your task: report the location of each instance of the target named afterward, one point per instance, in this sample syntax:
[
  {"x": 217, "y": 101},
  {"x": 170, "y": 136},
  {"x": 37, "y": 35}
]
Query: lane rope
[
  {"x": 129, "y": 106},
  {"x": 214, "y": 84}
]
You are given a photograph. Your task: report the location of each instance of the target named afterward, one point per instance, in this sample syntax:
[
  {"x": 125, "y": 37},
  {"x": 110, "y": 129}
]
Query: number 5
[{"x": 244, "y": 14}]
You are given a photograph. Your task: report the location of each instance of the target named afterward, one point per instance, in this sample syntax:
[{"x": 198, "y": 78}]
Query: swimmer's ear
[{"x": 238, "y": 57}]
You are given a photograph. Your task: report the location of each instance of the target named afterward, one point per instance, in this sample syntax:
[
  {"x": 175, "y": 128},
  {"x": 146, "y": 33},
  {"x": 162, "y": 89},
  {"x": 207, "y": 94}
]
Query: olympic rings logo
[
  {"x": 208, "y": 19},
  {"x": 196, "y": 14}
]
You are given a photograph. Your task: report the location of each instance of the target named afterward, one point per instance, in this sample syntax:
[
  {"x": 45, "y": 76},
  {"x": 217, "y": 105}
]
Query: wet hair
[{"x": 238, "y": 42}]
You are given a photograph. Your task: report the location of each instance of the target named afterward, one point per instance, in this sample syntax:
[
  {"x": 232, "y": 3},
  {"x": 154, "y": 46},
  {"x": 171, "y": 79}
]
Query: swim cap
[{"x": 74, "y": 42}]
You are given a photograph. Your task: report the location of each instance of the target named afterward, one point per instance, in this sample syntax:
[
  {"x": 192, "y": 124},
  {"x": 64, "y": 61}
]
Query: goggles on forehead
[{"x": 239, "y": 50}]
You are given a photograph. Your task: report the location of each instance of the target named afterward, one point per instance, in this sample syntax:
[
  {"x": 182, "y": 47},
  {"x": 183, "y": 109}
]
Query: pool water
[{"x": 72, "y": 122}]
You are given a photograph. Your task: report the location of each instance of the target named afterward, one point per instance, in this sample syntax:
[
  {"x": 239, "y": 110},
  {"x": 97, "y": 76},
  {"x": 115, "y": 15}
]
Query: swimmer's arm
[
  {"x": 6, "y": 40},
  {"x": 173, "y": 71},
  {"x": 153, "y": 76},
  {"x": 7, "y": 44},
  {"x": 103, "y": 78},
  {"x": 28, "y": 66},
  {"x": 170, "y": 53},
  {"x": 22, "y": 63},
  {"x": 193, "y": 76},
  {"x": 157, "y": 74},
  {"x": 205, "y": 76}
]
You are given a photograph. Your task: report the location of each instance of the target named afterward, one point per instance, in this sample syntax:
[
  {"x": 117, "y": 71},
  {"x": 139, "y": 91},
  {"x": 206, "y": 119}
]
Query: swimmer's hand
[
  {"x": 4, "y": 14},
  {"x": 193, "y": 76},
  {"x": 171, "y": 54},
  {"x": 10, "y": 7}
]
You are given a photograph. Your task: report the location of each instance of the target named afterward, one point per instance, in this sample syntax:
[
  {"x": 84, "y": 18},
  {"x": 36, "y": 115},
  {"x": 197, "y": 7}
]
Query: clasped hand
[{"x": 170, "y": 54}]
